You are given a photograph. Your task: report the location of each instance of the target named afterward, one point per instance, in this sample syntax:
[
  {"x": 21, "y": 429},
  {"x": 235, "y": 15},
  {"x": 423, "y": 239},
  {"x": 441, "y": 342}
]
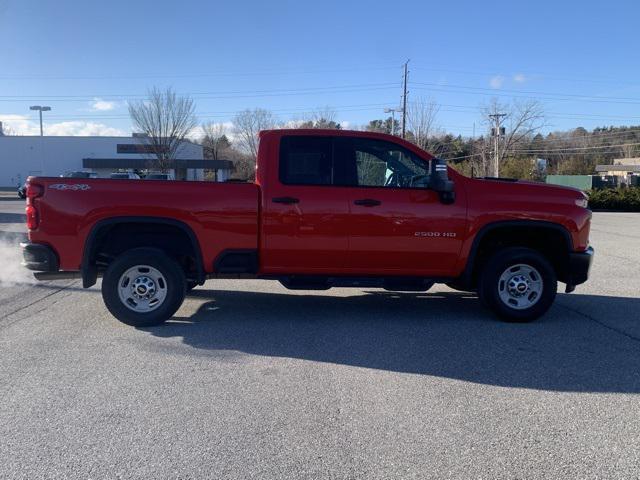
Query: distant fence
[{"x": 585, "y": 182}]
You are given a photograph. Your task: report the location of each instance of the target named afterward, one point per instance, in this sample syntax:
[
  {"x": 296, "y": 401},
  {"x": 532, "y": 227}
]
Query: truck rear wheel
[
  {"x": 143, "y": 287},
  {"x": 518, "y": 284}
]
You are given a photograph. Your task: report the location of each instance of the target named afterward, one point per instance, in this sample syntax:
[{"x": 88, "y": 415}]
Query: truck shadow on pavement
[{"x": 586, "y": 343}]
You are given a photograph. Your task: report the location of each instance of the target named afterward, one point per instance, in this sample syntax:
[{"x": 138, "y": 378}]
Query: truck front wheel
[
  {"x": 143, "y": 287},
  {"x": 518, "y": 284}
]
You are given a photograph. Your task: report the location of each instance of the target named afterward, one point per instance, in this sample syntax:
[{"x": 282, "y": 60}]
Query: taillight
[
  {"x": 34, "y": 191},
  {"x": 33, "y": 218}
]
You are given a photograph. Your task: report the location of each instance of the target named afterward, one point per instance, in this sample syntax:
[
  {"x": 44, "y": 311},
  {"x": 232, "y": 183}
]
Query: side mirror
[{"x": 439, "y": 181}]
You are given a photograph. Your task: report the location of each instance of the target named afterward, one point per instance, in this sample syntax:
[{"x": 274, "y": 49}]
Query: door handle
[
  {"x": 368, "y": 202},
  {"x": 285, "y": 200}
]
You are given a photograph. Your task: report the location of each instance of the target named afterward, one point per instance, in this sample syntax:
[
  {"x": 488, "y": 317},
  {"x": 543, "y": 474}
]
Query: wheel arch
[
  {"x": 518, "y": 233},
  {"x": 102, "y": 227}
]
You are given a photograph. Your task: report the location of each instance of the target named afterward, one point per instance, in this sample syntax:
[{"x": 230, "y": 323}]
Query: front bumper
[
  {"x": 39, "y": 257},
  {"x": 579, "y": 267}
]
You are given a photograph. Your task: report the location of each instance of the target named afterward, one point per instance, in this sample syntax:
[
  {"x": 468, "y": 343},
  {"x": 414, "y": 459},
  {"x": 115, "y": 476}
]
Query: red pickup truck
[{"x": 329, "y": 208}]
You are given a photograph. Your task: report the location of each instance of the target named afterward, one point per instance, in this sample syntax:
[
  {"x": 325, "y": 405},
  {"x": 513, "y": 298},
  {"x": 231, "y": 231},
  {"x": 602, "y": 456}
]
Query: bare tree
[
  {"x": 628, "y": 150},
  {"x": 522, "y": 121},
  {"x": 215, "y": 140},
  {"x": 247, "y": 125},
  {"x": 321, "y": 118},
  {"x": 6, "y": 130},
  {"x": 165, "y": 119},
  {"x": 421, "y": 120}
]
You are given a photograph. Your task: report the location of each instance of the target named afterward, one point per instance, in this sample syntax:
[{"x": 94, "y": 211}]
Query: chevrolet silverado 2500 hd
[{"x": 328, "y": 208}]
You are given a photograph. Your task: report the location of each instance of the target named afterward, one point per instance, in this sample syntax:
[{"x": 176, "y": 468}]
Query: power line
[
  {"x": 209, "y": 95},
  {"x": 573, "y": 95},
  {"x": 228, "y": 92},
  {"x": 532, "y": 75},
  {"x": 540, "y": 95},
  {"x": 222, "y": 73},
  {"x": 286, "y": 71},
  {"x": 566, "y": 149}
]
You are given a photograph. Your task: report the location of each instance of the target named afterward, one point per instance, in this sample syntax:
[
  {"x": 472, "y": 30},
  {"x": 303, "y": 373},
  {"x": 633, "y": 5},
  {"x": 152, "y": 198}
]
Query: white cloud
[
  {"x": 22, "y": 125},
  {"x": 291, "y": 123},
  {"x": 19, "y": 125},
  {"x": 82, "y": 129},
  {"x": 496, "y": 81},
  {"x": 102, "y": 105},
  {"x": 519, "y": 78}
]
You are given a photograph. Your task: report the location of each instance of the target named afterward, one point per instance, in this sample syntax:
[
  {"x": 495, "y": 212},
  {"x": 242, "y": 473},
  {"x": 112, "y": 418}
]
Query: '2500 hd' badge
[
  {"x": 435, "y": 234},
  {"x": 70, "y": 186}
]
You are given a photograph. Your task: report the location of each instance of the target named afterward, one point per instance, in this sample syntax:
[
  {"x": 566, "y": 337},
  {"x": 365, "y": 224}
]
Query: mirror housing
[{"x": 439, "y": 181}]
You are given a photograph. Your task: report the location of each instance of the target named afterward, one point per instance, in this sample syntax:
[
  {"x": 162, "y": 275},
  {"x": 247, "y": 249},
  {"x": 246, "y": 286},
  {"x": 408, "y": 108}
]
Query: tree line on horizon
[{"x": 520, "y": 150}]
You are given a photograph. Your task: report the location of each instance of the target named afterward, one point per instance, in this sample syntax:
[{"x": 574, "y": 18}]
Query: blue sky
[{"x": 87, "y": 58}]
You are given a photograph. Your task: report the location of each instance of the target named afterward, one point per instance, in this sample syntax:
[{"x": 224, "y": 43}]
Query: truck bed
[{"x": 221, "y": 215}]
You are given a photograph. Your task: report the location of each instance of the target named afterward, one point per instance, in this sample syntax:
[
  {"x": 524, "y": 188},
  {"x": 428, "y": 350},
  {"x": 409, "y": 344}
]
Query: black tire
[
  {"x": 173, "y": 280},
  {"x": 190, "y": 285},
  {"x": 490, "y": 286}
]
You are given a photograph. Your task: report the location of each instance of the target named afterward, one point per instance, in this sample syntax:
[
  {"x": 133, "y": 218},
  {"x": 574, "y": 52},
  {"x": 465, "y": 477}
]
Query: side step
[{"x": 394, "y": 284}]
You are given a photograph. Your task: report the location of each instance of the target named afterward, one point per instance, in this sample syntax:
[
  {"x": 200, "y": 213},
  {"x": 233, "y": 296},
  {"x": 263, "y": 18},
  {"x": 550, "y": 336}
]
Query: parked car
[
  {"x": 329, "y": 208},
  {"x": 125, "y": 176},
  {"x": 22, "y": 191},
  {"x": 159, "y": 176},
  {"x": 80, "y": 174}
]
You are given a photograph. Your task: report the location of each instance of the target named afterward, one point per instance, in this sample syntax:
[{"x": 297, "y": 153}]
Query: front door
[{"x": 398, "y": 226}]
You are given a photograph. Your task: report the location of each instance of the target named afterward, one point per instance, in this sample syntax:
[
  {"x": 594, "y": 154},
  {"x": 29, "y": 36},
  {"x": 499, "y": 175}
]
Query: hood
[{"x": 531, "y": 192}]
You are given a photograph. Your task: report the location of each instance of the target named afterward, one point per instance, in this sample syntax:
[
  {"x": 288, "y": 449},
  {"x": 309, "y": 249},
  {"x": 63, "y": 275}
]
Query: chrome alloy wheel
[
  {"x": 142, "y": 288},
  {"x": 520, "y": 286}
]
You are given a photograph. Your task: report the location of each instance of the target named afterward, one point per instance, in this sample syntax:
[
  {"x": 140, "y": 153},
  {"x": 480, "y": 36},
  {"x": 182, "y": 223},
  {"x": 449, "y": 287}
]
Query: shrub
[{"x": 624, "y": 199}]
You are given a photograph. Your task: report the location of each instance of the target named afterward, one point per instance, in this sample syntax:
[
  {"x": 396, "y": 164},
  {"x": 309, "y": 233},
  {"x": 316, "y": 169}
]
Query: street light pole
[
  {"x": 393, "y": 111},
  {"x": 40, "y": 108}
]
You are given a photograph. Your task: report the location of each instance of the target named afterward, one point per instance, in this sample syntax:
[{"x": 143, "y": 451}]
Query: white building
[
  {"x": 625, "y": 170},
  {"x": 22, "y": 156}
]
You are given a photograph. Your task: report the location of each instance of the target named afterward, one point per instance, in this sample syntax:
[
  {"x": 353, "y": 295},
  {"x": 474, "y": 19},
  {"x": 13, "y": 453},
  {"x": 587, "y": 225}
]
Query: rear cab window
[{"x": 306, "y": 160}]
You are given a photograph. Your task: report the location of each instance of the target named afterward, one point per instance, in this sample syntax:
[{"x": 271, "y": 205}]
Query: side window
[
  {"x": 306, "y": 160},
  {"x": 384, "y": 164}
]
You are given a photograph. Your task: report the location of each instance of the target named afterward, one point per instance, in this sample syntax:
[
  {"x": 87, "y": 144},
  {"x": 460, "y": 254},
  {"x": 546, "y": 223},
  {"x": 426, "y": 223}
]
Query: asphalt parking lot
[{"x": 252, "y": 381}]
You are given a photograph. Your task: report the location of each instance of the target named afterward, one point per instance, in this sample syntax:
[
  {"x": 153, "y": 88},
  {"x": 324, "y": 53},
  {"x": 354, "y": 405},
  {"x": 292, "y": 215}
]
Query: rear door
[
  {"x": 305, "y": 214},
  {"x": 397, "y": 226}
]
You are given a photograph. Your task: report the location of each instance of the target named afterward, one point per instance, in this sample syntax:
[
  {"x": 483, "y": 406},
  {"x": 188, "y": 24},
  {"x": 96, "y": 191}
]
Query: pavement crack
[
  {"x": 601, "y": 323},
  {"x": 13, "y": 312}
]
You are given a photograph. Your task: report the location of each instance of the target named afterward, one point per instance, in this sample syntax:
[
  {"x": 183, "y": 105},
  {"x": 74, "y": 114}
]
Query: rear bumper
[
  {"x": 38, "y": 257},
  {"x": 579, "y": 266}
]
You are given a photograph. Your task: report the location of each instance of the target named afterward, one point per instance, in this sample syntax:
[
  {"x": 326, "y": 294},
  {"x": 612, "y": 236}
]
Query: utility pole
[
  {"x": 473, "y": 143},
  {"x": 497, "y": 119},
  {"x": 404, "y": 99}
]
